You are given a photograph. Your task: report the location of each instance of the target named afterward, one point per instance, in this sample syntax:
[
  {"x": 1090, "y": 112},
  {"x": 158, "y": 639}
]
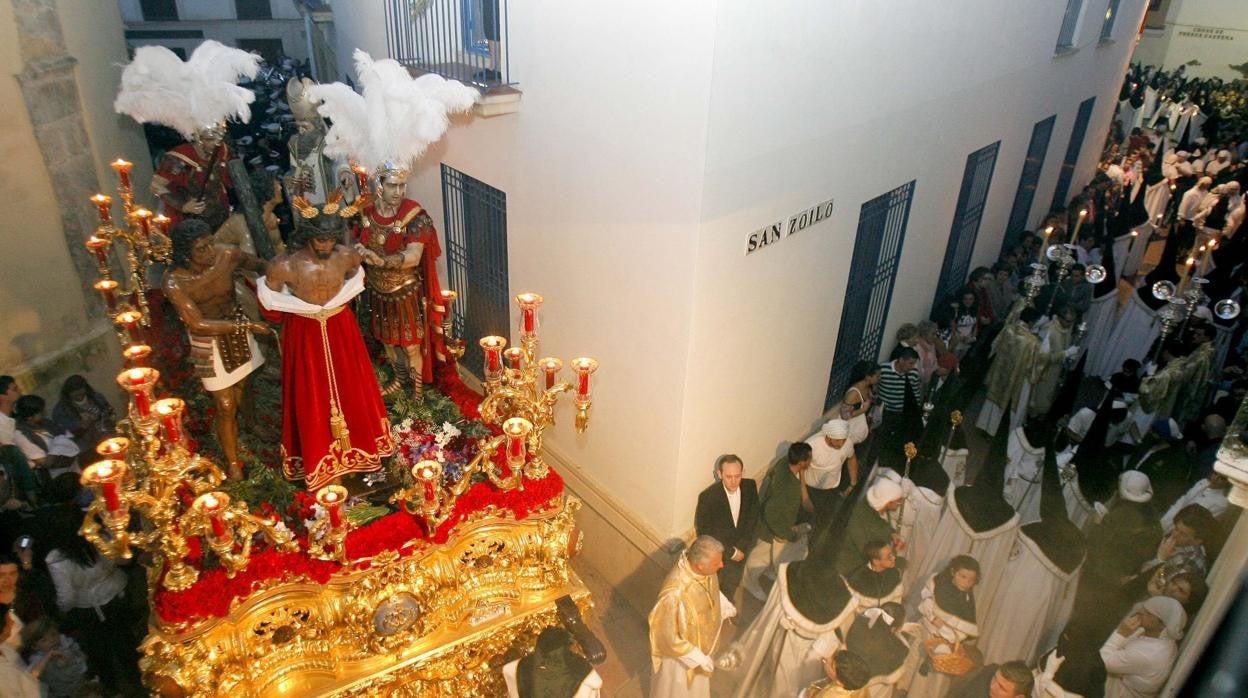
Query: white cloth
[
  {"x": 1157, "y": 198},
  {"x": 1214, "y": 501},
  {"x": 954, "y": 629},
  {"x": 84, "y": 587},
  {"x": 782, "y": 651},
  {"x": 1078, "y": 509},
  {"x": 1082, "y": 420},
  {"x": 1131, "y": 337},
  {"x": 671, "y": 681},
  {"x": 1100, "y": 318},
  {"x": 923, "y": 510},
  {"x": 1023, "y": 470},
  {"x": 591, "y": 685},
  {"x": 220, "y": 378},
  {"x": 1024, "y": 619},
  {"x": 1190, "y": 204},
  {"x": 59, "y": 445},
  {"x": 287, "y": 302},
  {"x": 953, "y": 460},
  {"x": 1137, "y": 666},
  {"x": 8, "y": 430},
  {"x": 827, "y": 462},
  {"x": 953, "y": 536},
  {"x": 15, "y": 678}
]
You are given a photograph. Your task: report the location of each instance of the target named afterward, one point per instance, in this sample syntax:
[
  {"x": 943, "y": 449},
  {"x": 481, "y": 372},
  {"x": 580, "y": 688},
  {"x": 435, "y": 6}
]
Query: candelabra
[
  {"x": 1062, "y": 257},
  {"x": 144, "y": 238},
  {"x": 521, "y": 392},
  {"x": 151, "y": 492}
]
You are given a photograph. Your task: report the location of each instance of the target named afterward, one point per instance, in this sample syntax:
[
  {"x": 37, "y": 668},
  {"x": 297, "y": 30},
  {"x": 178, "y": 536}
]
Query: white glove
[
  {"x": 726, "y": 608},
  {"x": 1071, "y": 352},
  {"x": 697, "y": 659}
]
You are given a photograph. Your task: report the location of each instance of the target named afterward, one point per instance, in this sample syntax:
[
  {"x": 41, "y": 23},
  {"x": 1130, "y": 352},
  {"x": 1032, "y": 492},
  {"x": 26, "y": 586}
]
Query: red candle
[
  {"x": 529, "y": 303},
  {"x": 136, "y": 353},
  {"x": 429, "y": 491},
  {"x": 144, "y": 217},
  {"x": 361, "y": 178},
  {"x": 493, "y": 346},
  {"x": 123, "y": 171},
  {"x": 332, "y": 498},
  {"x": 516, "y": 430},
  {"x": 515, "y": 357},
  {"x": 582, "y": 386},
  {"x": 551, "y": 368},
  {"x": 583, "y": 367},
  {"x": 170, "y": 412},
  {"x": 103, "y": 203},
  {"x": 142, "y": 403},
  {"x": 105, "y": 475},
  {"x": 212, "y": 505},
  {"x": 106, "y": 288},
  {"x": 427, "y": 472},
  {"x": 162, "y": 223},
  {"x": 99, "y": 247},
  {"x": 114, "y": 447}
]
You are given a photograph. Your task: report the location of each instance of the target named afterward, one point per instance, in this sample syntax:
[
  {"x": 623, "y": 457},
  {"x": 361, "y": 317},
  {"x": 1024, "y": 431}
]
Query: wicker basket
[{"x": 956, "y": 663}]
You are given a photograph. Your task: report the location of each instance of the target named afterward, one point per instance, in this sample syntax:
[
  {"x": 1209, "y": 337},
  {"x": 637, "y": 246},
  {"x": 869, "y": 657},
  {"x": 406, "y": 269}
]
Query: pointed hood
[
  {"x": 815, "y": 587},
  {"x": 1055, "y": 535},
  {"x": 981, "y": 504}
]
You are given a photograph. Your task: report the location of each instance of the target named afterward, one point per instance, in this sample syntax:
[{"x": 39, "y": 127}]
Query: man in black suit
[{"x": 728, "y": 512}]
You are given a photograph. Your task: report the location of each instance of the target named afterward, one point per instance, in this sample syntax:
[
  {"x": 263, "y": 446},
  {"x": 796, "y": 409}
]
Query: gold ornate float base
[{"x": 438, "y": 622}]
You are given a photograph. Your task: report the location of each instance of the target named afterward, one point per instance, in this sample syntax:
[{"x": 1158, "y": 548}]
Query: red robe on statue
[
  {"x": 403, "y": 315},
  {"x": 182, "y": 176},
  {"x": 334, "y": 421}
]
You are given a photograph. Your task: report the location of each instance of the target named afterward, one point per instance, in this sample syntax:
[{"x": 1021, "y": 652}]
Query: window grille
[
  {"x": 453, "y": 38},
  {"x": 1032, "y": 166},
  {"x": 1072, "y": 153},
  {"x": 1111, "y": 13},
  {"x": 1070, "y": 25},
  {"x": 869, "y": 291},
  {"x": 975, "y": 182},
  {"x": 475, "y": 216}
]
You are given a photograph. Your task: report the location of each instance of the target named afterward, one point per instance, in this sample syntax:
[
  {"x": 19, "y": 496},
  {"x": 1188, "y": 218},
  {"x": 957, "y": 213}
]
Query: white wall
[
  {"x": 1214, "y": 32},
  {"x": 634, "y": 176},
  {"x": 132, "y": 10}
]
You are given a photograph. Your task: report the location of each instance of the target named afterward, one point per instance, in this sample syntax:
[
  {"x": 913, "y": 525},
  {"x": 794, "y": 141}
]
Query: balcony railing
[{"x": 463, "y": 40}]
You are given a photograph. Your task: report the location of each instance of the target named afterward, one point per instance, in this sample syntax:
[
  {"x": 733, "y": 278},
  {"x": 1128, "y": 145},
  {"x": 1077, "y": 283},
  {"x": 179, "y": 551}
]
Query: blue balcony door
[
  {"x": 1072, "y": 153},
  {"x": 1026, "y": 194},
  {"x": 872, "y": 275},
  {"x": 475, "y": 216},
  {"x": 976, "y": 180}
]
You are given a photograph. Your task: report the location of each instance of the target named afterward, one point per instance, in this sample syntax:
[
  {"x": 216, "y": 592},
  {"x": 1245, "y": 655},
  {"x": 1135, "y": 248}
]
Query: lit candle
[
  {"x": 123, "y": 171},
  {"x": 169, "y": 410},
  {"x": 138, "y": 382},
  {"x": 515, "y": 358},
  {"x": 99, "y": 247},
  {"x": 136, "y": 353},
  {"x": 103, "y": 203},
  {"x": 493, "y": 347},
  {"x": 162, "y": 223},
  {"x": 517, "y": 430},
  {"x": 332, "y": 497},
  {"x": 129, "y": 319},
  {"x": 361, "y": 178},
  {"x": 144, "y": 217},
  {"x": 529, "y": 303},
  {"x": 427, "y": 473},
  {"x": 114, "y": 447},
  {"x": 212, "y": 505},
  {"x": 550, "y": 366},
  {"x": 106, "y": 288},
  {"x": 1187, "y": 272},
  {"x": 583, "y": 368},
  {"x": 448, "y": 297},
  {"x": 1074, "y": 237},
  {"x": 105, "y": 475},
  {"x": 1044, "y": 244}
]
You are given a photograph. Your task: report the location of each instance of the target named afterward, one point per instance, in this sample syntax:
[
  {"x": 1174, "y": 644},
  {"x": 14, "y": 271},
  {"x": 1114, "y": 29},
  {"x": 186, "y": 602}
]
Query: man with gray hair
[{"x": 685, "y": 623}]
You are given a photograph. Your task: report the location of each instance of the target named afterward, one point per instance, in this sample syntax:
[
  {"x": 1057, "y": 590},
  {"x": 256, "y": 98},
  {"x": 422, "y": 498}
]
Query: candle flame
[
  {"x": 106, "y": 284},
  {"x": 103, "y": 470},
  {"x": 210, "y": 502},
  {"x": 101, "y": 199},
  {"x": 135, "y": 374},
  {"x": 120, "y": 164}
]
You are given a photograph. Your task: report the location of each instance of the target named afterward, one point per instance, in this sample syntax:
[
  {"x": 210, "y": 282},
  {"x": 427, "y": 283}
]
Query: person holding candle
[
  {"x": 200, "y": 285},
  {"x": 334, "y": 421}
]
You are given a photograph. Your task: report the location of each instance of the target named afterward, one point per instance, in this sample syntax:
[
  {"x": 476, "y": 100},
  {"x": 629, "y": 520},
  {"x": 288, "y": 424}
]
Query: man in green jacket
[
  {"x": 780, "y": 537},
  {"x": 868, "y": 522}
]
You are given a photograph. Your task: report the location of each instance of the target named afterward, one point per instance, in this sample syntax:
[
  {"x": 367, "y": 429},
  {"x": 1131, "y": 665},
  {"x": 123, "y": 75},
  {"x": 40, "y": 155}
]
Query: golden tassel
[{"x": 338, "y": 428}]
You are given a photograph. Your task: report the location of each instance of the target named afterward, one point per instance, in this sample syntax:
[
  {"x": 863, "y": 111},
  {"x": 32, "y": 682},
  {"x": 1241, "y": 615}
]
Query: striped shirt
[{"x": 891, "y": 390}]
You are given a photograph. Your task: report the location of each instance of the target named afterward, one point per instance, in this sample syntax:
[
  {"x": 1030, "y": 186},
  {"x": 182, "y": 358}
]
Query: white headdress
[
  {"x": 158, "y": 87},
  {"x": 396, "y": 117}
]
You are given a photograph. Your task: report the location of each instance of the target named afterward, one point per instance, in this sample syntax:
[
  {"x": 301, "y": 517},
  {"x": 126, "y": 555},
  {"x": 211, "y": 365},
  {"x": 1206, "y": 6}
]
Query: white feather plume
[
  {"x": 158, "y": 87},
  {"x": 395, "y": 117}
]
